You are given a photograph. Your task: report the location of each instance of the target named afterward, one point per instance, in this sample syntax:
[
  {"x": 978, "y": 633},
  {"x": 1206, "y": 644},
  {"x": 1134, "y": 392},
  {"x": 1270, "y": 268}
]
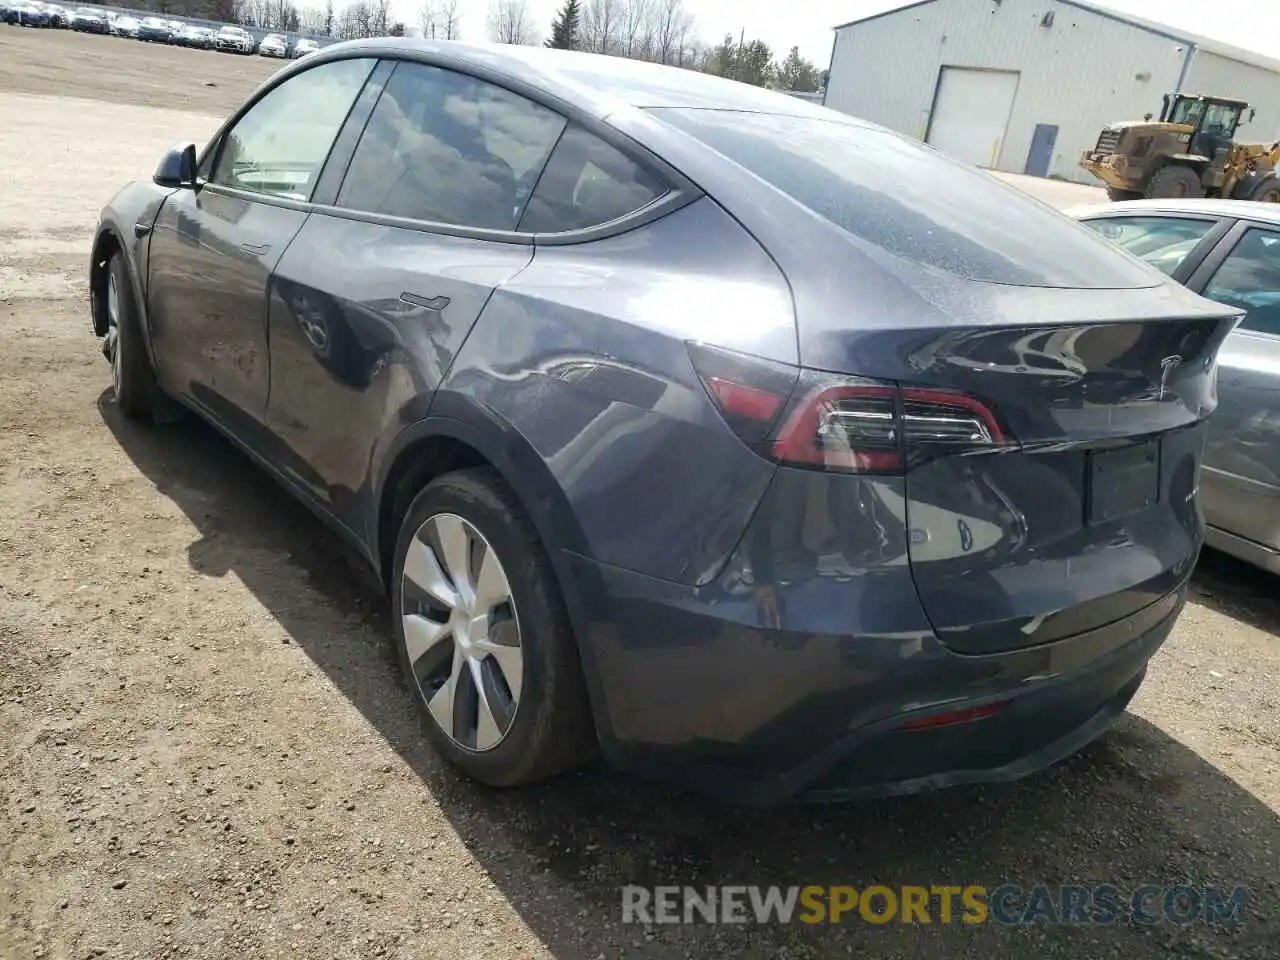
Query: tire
[
  {"x": 538, "y": 723},
  {"x": 132, "y": 379},
  {"x": 1116, "y": 195},
  {"x": 1267, "y": 190},
  {"x": 1175, "y": 181}
]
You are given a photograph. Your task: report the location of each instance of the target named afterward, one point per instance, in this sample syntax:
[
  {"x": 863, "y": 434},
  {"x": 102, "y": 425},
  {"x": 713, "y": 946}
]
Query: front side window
[
  {"x": 448, "y": 148},
  {"x": 1189, "y": 112},
  {"x": 280, "y": 144},
  {"x": 587, "y": 183},
  {"x": 1250, "y": 279},
  {"x": 1163, "y": 242}
]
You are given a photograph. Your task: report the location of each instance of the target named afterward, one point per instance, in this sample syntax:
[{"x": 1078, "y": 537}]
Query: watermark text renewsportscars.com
[{"x": 1006, "y": 904}]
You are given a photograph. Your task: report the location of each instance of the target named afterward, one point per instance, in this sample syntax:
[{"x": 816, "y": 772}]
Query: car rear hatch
[
  {"x": 1051, "y": 416},
  {"x": 1051, "y": 429},
  {"x": 1070, "y": 501},
  {"x": 1040, "y": 393},
  {"x": 1050, "y": 437}
]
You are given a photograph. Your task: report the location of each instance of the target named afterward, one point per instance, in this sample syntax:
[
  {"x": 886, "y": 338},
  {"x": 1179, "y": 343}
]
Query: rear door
[
  {"x": 376, "y": 295},
  {"x": 214, "y": 247},
  {"x": 1241, "y": 482}
]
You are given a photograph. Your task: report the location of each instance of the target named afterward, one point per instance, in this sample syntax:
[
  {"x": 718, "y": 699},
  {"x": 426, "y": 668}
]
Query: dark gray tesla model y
[{"x": 755, "y": 446}]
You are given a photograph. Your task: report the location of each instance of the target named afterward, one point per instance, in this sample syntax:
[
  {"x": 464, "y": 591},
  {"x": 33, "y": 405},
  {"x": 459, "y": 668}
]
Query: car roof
[
  {"x": 1239, "y": 209},
  {"x": 588, "y": 78}
]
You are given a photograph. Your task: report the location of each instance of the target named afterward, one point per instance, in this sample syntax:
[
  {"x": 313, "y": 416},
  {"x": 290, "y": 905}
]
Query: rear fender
[{"x": 458, "y": 418}]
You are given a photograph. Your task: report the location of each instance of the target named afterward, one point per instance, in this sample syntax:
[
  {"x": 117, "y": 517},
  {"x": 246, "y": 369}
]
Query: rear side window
[
  {"x": 586, "y": 183},
  {"x": 912, "y": 201},
  {"x": 446, "y": 147},
  {"x": 1163, "y": 242},
  {"x": 1250, "y": 279}
]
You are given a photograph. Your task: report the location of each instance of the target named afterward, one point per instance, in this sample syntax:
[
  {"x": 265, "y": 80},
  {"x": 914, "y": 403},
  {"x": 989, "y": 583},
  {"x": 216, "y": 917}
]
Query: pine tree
[{"x": 564, "y": 28}]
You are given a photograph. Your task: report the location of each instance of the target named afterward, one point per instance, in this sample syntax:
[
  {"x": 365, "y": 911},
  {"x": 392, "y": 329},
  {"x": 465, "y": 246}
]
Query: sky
[{"x": 1251, "y": 24}]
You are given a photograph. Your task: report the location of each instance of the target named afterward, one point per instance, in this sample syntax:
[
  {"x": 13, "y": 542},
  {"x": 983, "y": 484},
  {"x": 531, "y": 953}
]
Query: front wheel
[
  {"x": 1172, "y": 182},
  {"x": 1266, "y": 191},
  {"x": 483, "y": 637},
  {"x": 132, "y": 380}
]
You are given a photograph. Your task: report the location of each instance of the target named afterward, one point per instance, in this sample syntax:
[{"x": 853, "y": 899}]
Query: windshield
[
  {"x": 913, "y": 201},
  {"x": 1199, "y": 113}
]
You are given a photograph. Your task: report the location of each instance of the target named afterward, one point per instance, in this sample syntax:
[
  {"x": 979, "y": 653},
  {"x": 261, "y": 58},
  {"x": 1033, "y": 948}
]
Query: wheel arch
[
  {"x": 105, "y": 245},
  {"x": 111, "y": 240},
  {"x": 456, "y": 434}
]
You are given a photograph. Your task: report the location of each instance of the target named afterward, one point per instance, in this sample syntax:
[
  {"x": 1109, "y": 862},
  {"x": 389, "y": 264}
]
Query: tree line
[{"x": 661, "y": 31}]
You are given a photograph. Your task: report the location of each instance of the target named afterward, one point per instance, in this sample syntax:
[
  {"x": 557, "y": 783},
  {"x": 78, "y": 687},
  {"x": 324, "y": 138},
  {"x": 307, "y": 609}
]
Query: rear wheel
[
  {"x": 1174, "y": 181},
  {"x": 1266, "y": 191},
  {"x": 483, "y": 637},
  {"x": 1116, "y": 195}
]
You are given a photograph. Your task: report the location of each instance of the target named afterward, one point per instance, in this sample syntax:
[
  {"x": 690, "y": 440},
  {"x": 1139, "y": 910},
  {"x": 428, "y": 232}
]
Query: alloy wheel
[
  {"x": 461, "y": 631},
  {"x": 111, "y": 346}
]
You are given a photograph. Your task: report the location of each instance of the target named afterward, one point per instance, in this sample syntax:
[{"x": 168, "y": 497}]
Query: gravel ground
[{"x": 206, "y": 751}]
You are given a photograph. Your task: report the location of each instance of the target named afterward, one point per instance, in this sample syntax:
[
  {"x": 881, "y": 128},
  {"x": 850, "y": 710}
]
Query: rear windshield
[{"x": 913, "y": 201}]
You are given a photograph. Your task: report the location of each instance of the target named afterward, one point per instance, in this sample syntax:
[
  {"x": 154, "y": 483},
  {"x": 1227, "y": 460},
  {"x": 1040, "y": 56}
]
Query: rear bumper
[
  {"x": 803, "y": 666},
  {"x": 689, "y": 687}
]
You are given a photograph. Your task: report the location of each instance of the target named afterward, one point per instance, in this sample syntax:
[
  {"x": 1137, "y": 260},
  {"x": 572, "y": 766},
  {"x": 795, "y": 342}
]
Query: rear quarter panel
[{"x": 583, "y": 355}]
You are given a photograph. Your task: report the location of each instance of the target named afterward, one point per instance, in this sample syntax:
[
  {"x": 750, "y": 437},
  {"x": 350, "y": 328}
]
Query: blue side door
[{"x": 1041, "y": 153}]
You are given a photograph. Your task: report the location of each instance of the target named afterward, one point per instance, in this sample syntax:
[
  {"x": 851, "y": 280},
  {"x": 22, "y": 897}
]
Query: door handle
[
  {"x": 435, "y": 304},
  {"x": 257, "y": 249},
  {"x": 141, "y": 228}
]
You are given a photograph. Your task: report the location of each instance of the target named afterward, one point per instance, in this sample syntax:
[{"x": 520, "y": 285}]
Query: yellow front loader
[{"x": 1189, "y": 152}]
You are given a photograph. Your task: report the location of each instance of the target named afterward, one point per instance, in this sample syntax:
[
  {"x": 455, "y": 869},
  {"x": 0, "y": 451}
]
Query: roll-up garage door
[{"x": 971, "y": 112}]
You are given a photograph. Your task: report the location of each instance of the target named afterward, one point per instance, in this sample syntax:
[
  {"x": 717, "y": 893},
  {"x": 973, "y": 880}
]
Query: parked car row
[{"x": 154, "y": 29}]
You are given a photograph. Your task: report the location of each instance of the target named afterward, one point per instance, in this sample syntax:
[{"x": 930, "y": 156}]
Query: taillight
[
  {"x": 827, "y": 421},
  {"x": 748, "y": 392}
]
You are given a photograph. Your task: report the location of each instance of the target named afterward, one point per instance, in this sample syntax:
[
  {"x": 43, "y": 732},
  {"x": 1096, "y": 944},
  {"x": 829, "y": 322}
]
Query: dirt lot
[{"x": 205, "y": 749}]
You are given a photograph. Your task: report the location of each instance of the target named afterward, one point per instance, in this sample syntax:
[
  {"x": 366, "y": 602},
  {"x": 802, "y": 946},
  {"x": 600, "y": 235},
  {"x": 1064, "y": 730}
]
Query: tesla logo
[{"x": 1167, "y": 366}]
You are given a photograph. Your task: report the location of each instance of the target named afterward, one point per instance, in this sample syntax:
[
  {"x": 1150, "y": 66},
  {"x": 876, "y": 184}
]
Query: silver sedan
[{"x": 1229, "y": 251}]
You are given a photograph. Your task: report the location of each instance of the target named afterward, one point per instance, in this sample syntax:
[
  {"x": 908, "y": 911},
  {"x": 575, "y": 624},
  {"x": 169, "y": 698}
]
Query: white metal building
[{"x": 1026, "y": 85}]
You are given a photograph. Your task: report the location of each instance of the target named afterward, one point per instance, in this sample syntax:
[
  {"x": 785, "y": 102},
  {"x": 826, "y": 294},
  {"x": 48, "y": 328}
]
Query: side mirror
[{"x": 178, "y": 168}]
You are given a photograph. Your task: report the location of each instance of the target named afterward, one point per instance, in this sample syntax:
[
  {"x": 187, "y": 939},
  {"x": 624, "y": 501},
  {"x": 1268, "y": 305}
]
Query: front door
[{"x": 214, "y": 247}]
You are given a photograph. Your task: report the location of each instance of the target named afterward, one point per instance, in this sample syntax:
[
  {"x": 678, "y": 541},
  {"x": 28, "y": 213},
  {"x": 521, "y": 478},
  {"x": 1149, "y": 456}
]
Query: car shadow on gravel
[
  {"x": 1239, "y": 590},
  {"x": 1137, "y": 807}
]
